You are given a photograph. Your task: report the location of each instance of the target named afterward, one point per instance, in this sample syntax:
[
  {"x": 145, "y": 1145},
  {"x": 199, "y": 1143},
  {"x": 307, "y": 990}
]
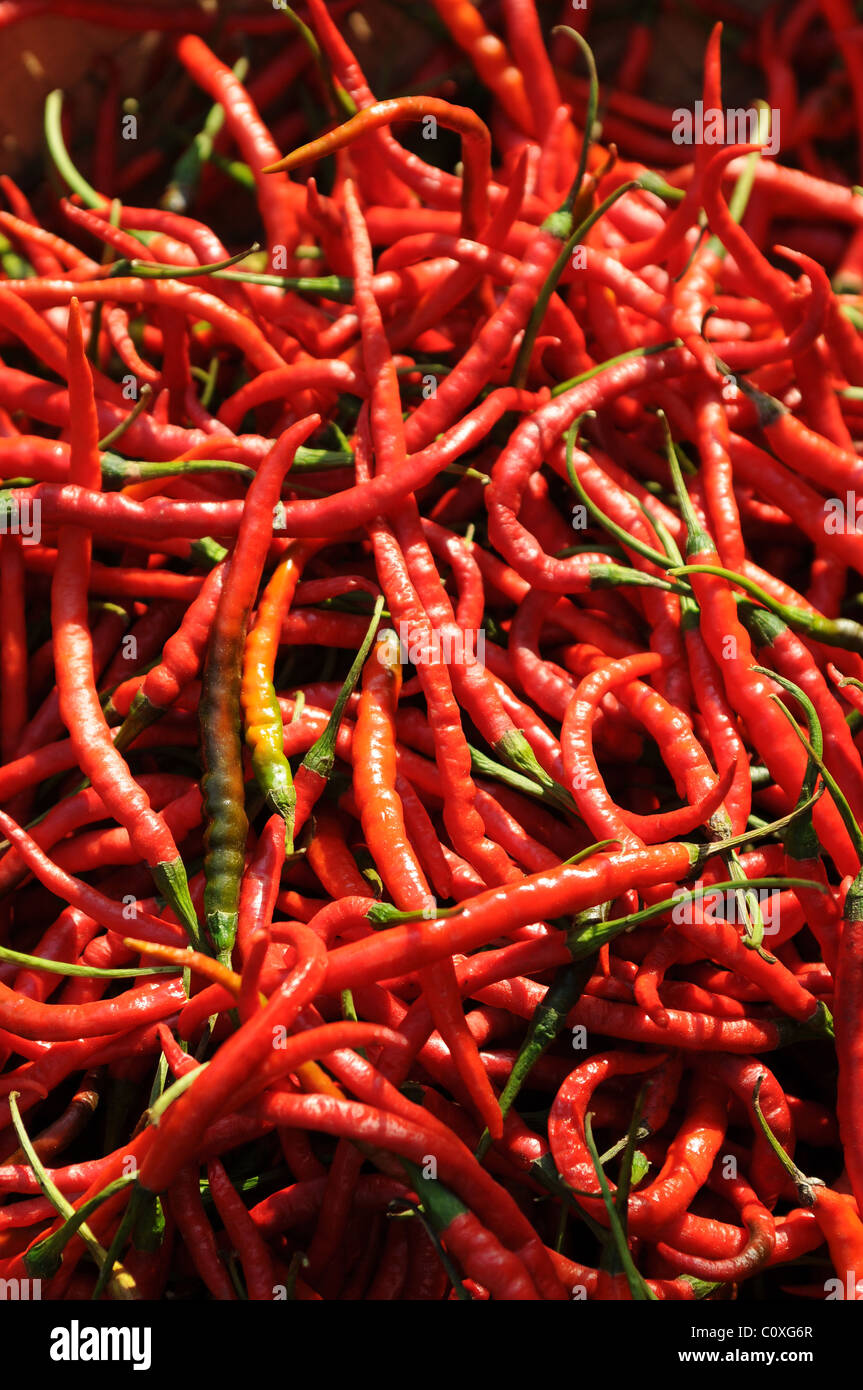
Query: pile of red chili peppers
[{"x": 432, "y": 689}]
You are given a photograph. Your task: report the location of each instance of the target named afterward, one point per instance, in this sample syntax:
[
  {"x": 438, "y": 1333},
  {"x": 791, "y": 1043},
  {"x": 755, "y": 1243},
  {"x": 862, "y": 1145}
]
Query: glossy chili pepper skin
[
  {"x": 79, "y": 704},
  {"x": 222, "y": 783},
  {"x": 697, "y": 1143},
  {"x": 383, "y": 821},
  {"x": 261, "y": 714},
  {"x": 191, "y": 1217},
  {"x": 367, "y": 1075},
  {"x": 181, "y": 660},
  {"x": 180, "y": 1133},
  {"x": 843, "y": 1232},
  {"x": 482, "y": 919}
]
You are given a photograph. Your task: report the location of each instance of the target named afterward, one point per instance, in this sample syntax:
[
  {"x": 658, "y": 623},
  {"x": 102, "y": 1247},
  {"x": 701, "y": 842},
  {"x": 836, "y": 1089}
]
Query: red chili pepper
[
  {"x": 836, "y": 1214},
  {"x": 179, "y": 1134},
  {"x": 476, "y": 145},
  {"x": 336, "y": 1029},
  {"x": 408, "y": 1137},
  {"x": 188, "y": 1211},
  {"x": 222, "y": 784},
  {"x": 690, "y": 1155},
  {"x": 279, "y": 199},
  {"x": 254, "y": 1256},
  {"x": 79, "y": 706}
]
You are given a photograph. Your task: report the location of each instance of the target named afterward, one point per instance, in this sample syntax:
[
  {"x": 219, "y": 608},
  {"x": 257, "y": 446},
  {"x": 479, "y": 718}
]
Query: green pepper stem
[
  {"x": 639, "y": 1290},
  {"x": 522, "y": 361},
  {"x": 140, "y": 405}
]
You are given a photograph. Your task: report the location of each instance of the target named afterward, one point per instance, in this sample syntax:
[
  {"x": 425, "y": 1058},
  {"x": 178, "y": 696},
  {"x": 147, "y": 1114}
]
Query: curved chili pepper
[
  {"x": 254, "y": 1255},
  {"x": 689, "y": 1159},
  {"x": 391, "y": 1273},
  {"x": 837, "y": 1215},
  {"x": 451, "y": 751},
  {"x": 179, "y": 1133},
  {"x": 79, "y": 704},
  {"x": 222, "y": 783},
  {"x": 744, "y": 688},
  {"x": 383, "y": 825},
  {"x": 484, "y": 1259},
  {"x": 432, "y": 497},
  {"x": 181, "y": 661},
  {"x": 261, "y": 714},
  {"x": 280, "y": 200},
  {"x": 163, "y": 518},
  {"x": 184, "y": 1198},
  {"x": 567, "y": 890},
  {"x": 407, "y": 1136},
  {"x": 476, "y": 145},
  {"x": 752, "y": 1257},
  {"x": 490, "y": 57}
]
